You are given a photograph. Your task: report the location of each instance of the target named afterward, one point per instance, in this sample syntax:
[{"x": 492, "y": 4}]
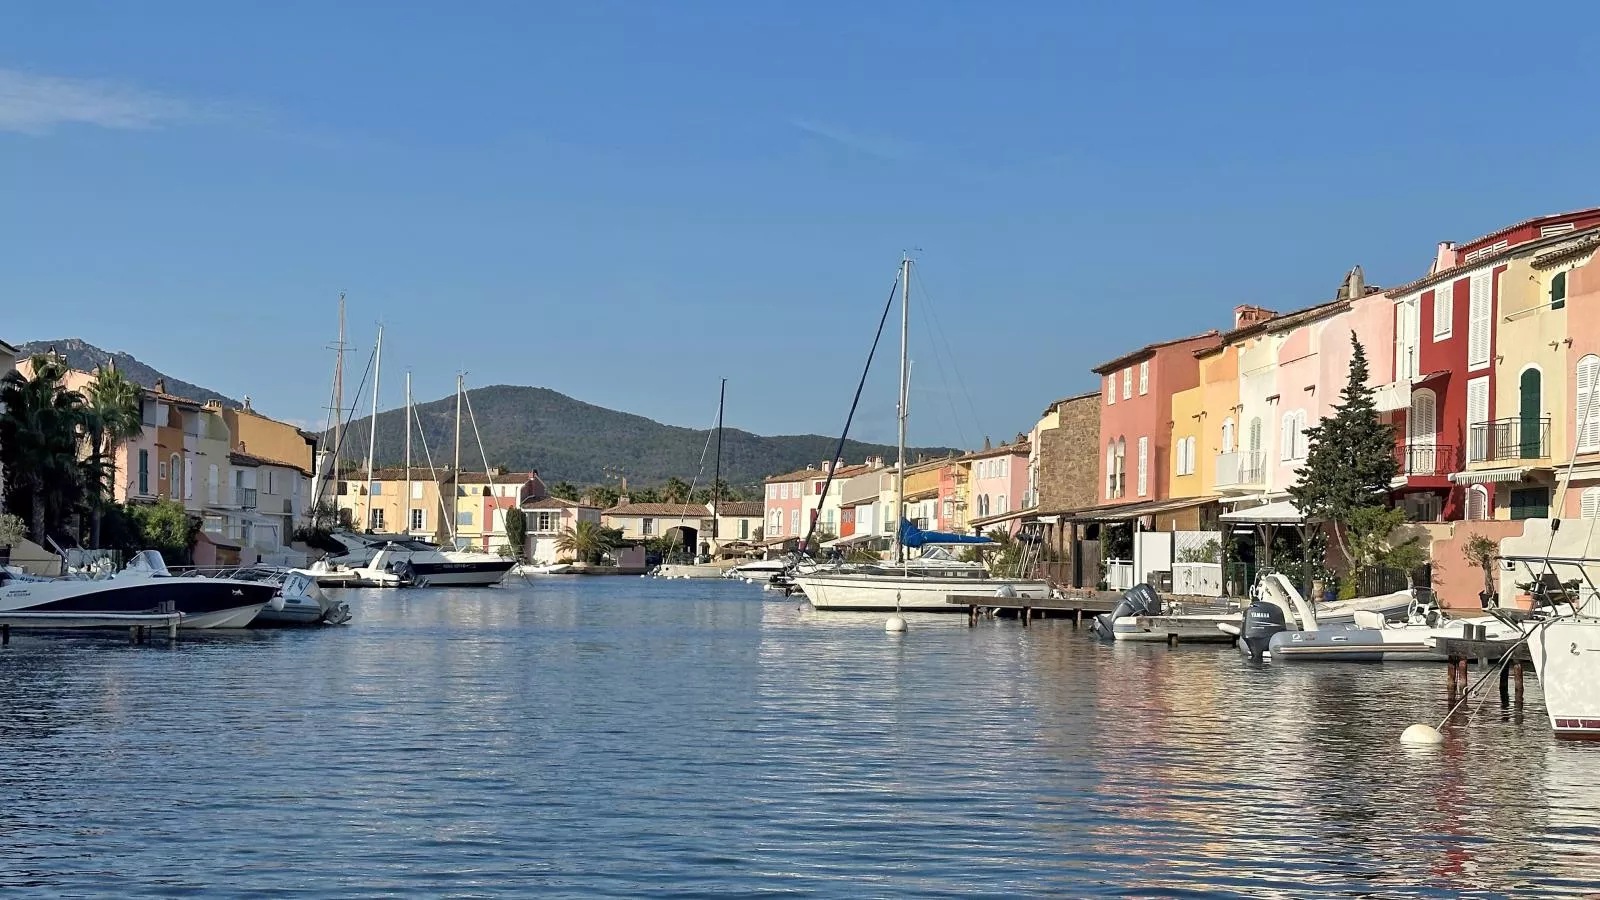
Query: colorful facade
[{"x": 1136, "y": 416}]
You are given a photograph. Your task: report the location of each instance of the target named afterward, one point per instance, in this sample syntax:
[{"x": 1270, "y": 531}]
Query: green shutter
[
  {"x": 1558, "y": 290},
  {"x": 1530, "y": 503}
]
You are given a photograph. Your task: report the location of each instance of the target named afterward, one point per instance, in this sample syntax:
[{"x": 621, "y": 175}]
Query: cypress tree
[{"x": 1350, "y": 457}]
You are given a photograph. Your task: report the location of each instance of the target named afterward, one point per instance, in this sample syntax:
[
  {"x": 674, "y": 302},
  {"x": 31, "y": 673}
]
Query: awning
[
  {"x": 1495, "y": 476},
  {"x": 1136, "y": 510},
  {"x": 1281, "y": 512},
  {"x": 851, "y": 540}
]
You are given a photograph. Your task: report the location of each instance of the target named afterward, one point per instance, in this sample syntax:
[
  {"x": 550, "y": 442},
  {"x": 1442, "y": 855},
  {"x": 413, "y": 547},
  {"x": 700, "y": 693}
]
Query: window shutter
[
  {"x": 1127, "y": 383},
  {"x": 1443, "y": 294},
  {"x": 1144, "y": 378},
  {"x": 1227, "y": 436},
  {"x": 1255, "y": 435},
  {"x": 1477, "y": 418},
  {"x": 1479, "y": 320},
  {"x": 1286, "y": 438},
  {"x": 1477, "y": 503},
  {"x": 1144, "y": 466},
  {"x": 1590, "y": 504},
  {"x": 1587, "y": 416},
  {"x": 1422, "y": 425},
  {"x": 1111, "y": 471},
  {"x": 1558, "y": 290}
]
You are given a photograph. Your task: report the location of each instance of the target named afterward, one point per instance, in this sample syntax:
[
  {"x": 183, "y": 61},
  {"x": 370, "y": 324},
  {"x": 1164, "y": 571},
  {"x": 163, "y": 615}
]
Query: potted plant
[{"x": 1483, "y": 553}]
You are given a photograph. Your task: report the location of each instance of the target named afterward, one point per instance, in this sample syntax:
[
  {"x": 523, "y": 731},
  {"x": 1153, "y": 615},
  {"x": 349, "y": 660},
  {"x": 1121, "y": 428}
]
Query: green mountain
[
  {"x": 86, "y": 356},
  {"x": 569, "y": 440}
]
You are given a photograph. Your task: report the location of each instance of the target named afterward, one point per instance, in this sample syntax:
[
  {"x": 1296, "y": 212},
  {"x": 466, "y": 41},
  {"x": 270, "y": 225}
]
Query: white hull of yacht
[
  {"x": 1566, "y": 656},
  {"x": 685, "y": 570},
  {"x": 915, "y": 593}
]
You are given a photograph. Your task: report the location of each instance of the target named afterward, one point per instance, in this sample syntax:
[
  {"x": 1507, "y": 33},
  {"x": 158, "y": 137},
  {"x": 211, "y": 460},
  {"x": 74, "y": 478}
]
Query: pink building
[
  {"x": 1136, "y": 415},
  {"x": 999, "y": 482},
  {"x": 786, "y": 506}
]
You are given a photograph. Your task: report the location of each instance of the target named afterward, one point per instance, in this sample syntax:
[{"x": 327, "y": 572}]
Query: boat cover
[{"x": 912, "y": 536}]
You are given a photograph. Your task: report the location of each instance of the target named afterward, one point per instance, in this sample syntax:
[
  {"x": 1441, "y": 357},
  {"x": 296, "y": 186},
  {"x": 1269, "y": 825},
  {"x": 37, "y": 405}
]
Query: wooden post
[
  {"x": 1465, "y": 673},
  {"x": 1451, "y": 669},
  {"x": 972, "y": 614},
  {"x": 1505, "y": 685},
  {"x": 5, "y": 635},
  {"x": 1517, "y": 672},
  {"x": 1027, "y": 615},
  {"x": 1077, "y": 618},
  {"x": 1172, "y": 639},
  {"x": 172, "y": 629}
]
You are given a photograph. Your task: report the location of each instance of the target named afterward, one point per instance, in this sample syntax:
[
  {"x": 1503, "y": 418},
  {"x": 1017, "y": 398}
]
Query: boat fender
[
  {"x": 894, "y": 625},
  {"x": 1421, "y": 735}
]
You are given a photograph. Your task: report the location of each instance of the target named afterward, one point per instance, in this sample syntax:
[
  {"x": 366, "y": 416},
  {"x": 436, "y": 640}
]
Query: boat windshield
[{"x": 148, "y": 562}]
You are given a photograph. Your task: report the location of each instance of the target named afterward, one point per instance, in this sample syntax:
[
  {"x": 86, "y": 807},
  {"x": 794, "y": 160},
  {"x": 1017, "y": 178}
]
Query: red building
[{"x": 1136, "y": 416}]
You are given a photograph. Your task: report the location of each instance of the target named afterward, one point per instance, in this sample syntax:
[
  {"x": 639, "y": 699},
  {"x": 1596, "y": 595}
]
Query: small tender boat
[
  {"x": 688, "y": 570},
  {"x": 1279, "y": 611},
  {"x": 302, "y": 602},
  {"x": 545, "y": 569}
]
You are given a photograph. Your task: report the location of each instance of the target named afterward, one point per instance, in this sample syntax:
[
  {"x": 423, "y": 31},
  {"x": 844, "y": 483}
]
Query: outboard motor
[
  {"x": 1262, "y": 620},
  {"x": 1140, "y": 601}
]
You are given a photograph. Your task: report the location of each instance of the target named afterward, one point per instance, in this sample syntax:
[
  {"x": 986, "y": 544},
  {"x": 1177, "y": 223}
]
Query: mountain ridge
[{"x": 84, "y": 356}]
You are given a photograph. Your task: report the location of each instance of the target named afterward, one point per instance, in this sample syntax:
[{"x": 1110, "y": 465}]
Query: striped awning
[{"x": 1492, "y": 476}]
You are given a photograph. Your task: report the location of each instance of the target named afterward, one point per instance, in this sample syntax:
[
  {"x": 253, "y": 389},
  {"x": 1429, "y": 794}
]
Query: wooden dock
[
  {"x": 1510, "y": 656},
  {"x": 139, "y": 625},
  {"x": 1026, "y": 609},
  {"x": 1192, "y": 628}
]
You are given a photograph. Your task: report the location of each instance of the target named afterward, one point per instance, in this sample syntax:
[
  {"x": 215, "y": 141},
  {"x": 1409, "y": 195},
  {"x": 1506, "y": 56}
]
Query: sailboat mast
[
  {"x": 338, "y": 385},
  {"x": 455, "y": 468},
  {"x": 405, "y": 498},
  {"x": 716, "y": 477},
  {"x": 905, "y": 391},
  {"x": 372, "y": 423}
]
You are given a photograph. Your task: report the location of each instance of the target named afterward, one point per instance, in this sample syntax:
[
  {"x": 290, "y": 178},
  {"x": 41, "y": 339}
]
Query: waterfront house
[
  {"x": 547, "y": 518},
  {"x": 1135, "y": 419},
  {"x": 739, "y": 523},
  {"x": 998, "y": 482},
  {"x": 482, "y": 500},
  {"x": 687, "y": 525},
  {"x": 784, "y": 499}
]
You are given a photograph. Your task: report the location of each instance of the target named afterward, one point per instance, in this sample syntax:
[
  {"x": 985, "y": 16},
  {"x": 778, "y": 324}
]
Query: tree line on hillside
[{"x": 58, "y": 450}]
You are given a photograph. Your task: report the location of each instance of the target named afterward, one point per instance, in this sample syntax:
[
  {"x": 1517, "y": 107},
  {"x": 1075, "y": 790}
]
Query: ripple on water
[{"x": 619, "y": 737}]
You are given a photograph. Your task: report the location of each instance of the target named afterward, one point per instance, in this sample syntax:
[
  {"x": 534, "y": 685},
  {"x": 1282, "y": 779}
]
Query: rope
[
  {"x": 838, "y": 450},
  {"x": 444, "y": 511}
]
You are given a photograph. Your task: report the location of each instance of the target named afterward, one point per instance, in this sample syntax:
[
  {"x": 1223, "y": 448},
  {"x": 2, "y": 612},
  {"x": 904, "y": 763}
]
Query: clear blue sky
[{"x": 625, "y": 201}]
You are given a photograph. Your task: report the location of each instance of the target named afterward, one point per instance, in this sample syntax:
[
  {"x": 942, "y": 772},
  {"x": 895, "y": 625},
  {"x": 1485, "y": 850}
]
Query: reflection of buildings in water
[{"x": 1569, "y": 845}]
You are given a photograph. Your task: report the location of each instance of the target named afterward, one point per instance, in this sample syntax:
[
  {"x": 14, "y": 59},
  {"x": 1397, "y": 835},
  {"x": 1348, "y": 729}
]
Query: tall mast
[
  {"x": 405, "y": 499},
  {"x": 716, "y": 478},
  {"x": 455, "y": 468},
  {"x": 338, "y": 385},
  {"x": 372, "y": 423},
  {"x": 905, "y": 396}
]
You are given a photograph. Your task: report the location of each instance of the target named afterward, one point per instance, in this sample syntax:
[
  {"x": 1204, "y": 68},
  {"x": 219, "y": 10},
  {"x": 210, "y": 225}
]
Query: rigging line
[
  {"x": 811, "y": 528},
  {"x": 684, "y": 511},
  {"x": 961, "y": 379},
  {"x": 444, "y": 511},
  {"x": 344, "y": 433},
  {"x": 467, "y": 396},
  {"x": 938, "y": 364}
]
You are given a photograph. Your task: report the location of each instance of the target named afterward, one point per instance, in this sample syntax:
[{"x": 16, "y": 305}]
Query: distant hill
[
  {"x": 569, "y": 440},
  {"x": 86, "y": 356}
]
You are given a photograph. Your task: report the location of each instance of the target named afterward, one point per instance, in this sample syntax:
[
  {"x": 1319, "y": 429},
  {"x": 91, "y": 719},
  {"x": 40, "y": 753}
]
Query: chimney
[
  {"x": 986, "y": 445},
  {"x": 161, "y": 386},
  {"x": 1020, "y": 438},
  {"x": 1444, "y": 257},
  {"x": 827, "y": 467},
  {"x": 1245, "y": 315},
  {"x": 1354, "y": 286},
  {"x": 247, "y": 403}
]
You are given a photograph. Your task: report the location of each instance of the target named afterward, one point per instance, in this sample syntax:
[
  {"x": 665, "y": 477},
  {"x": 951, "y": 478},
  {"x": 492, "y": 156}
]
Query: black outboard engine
[
  {"x": 1140, "y": 601},
  {"x": 1262, "y": 620}
]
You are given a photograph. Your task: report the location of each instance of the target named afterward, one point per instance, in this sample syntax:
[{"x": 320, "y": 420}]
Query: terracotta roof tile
[
  {"x": 661, "y": 510},
  {"x": 742, "y": 509},
  {"x": 1106, "y": 368}
]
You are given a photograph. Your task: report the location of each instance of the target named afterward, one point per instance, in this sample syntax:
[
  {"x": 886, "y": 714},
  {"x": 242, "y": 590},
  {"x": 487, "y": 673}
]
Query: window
[
  {"x": 1530, "y": 503},
  {"x": 1227, "y": 435},
  {"x": 416, "y": 490},
  {"x": 212, "y": 483},
  {"x": 1588, "y": 411},
  {"x": 1589, "y": 506},
  {"x": 1558, "y": 290},
  {"x": 775, "y": 523},
  {"x": 1286, "y": 438},
  {"x": 1529, "y": 421},
  {"x": 648, "y": 526},
  {"x": 1111, "y": 470},
  {"x": 816, "y": 488},
  {"x": 419, "y": 520},
  {"x": 744, "y": 529},
  {"x": 772, "y": 492},
  {"x": 1127, "y": 383},
  {"x": 344, "y": 488},
  {"x": 188, "y": 479},
  {"x": 1185, "y": 456},
  {"x": 1122, "y": 467},
  {"x": 1111, "y": 390},
  {"x": 1001, "y": 506},
  {"x": 794, "y": 521},
  {"x": 1443, "y": 308},
  {"x": 377, "y": 520},
  {"x": 173, "y": 468},
  {"x": 1479, "y": 321},
  {"x": 144, "y": 473},
  {"x": 1144, "y": 466},
  {"x": 464, "y": 517},
  {"x": 1478, "y": 419},
  {"x": 1477, "y": 503},
  {"x": 1144, "y": 378}
]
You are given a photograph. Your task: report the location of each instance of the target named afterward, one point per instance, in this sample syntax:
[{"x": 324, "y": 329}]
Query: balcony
[
  {"x": 1427, "y": 460},
  {"x": 1509, "y": 439},
  {"x": 1240, "y": 469}
]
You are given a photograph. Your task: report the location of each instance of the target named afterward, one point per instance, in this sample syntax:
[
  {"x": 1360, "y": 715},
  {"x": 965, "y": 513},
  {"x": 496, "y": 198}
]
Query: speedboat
[
  {"x": 423, "y": 564},
  {"x": 688, "y": 570},
  {"x": 761, "y": 569},
  {"x": 1129, "y": 620},
  {"x": 145, "y": 586},
  {"x": 1373, "y": 638}
]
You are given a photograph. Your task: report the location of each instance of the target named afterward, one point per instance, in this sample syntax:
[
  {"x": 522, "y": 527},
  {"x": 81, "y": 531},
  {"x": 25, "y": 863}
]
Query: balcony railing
[
  {"x": 1427, "y": 459},
  {"x": 1509, "y": 439},
  {"x": 1240, "y": 468},
  {"x": 244, "y": 498}
]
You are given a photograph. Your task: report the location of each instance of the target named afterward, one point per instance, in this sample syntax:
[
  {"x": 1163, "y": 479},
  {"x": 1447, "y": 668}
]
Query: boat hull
[
  {"x": 1566, "y": 656},
  {"x": 869, "y": 593},
  {"x": 460, "y": 574},
  {"x": 204, "y": 602},
  {"x": 680, "y": 570}
]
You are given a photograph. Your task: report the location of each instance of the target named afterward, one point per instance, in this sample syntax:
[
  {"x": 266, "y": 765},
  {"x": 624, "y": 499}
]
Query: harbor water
[{"x": 632, "y": 737}]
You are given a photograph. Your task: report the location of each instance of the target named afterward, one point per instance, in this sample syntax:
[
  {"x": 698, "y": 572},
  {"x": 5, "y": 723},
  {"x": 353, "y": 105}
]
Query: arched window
[
  {"x": 1111, "y": 469},
  {"x": 1589, "y": 505},
  {"x": 1587, "y": 419},
  {"x": 1227, "y": 435},
  {"x": 1477, "y": 503},
  {"x": 1558, "y": 290}
]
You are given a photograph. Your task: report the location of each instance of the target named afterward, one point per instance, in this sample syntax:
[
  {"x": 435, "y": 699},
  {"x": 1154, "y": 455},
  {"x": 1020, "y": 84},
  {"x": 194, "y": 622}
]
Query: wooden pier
[
  {"x": 1199, "y": 627},
  {"x": 1026, "y": 609},
  {"x": 139, "y": 625},
  {"x": 1460, "y": 652}
]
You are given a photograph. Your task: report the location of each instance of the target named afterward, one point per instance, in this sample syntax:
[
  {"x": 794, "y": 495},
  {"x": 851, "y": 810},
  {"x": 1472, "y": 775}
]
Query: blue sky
[{"x": 627, "y": 201}]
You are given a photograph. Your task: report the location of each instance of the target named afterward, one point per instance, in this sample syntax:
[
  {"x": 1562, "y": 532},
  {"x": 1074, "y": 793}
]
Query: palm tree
[
  {"x": 111, "y": 416},
  {"x": 564, "y": 490},
  {"x": 39, "y": 444},
  {"x": 587, "y": 541},
  {"x": 676, "y": 490}
]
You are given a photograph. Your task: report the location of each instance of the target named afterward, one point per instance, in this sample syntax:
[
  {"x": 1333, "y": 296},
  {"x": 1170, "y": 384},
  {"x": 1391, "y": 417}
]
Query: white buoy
[
  {"x": 894, "y": 624},
  {"x": 1421, "y": 735}
]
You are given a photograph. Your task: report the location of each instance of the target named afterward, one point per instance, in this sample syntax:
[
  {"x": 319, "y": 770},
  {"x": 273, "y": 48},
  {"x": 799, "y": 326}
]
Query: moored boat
[{"x": 145, "y": 586}]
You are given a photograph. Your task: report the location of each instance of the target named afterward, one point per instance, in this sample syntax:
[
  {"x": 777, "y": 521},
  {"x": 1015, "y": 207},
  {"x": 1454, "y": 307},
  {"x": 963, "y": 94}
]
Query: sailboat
[
  {"x": 705, "y": 569},
  {"x": 928, "y": 582}
]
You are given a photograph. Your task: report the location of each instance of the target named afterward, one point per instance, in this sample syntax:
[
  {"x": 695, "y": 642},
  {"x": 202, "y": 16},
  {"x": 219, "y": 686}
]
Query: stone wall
[{"x": 1069, "y": 469}]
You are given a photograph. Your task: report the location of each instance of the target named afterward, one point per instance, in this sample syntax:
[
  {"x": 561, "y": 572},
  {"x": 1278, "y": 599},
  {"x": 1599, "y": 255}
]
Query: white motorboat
[
  {"x": 688, "y": 570},
  {"x": 1373, "y": 638},
  {"x": 1132, "y": 621},
  {"x": 1566, "y": 656},
  {"x": 758, "y": 569},
  {"x": 924, "y": 584},
  {"x": 145, "y": 586},
  {"x": 303, "y": 602},
  {"x": 422, "y": 564},
  {"x": 545, "y": 569}
]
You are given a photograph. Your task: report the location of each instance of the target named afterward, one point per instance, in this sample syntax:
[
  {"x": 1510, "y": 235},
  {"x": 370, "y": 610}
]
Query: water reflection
[{"x": 624, "y": 737}]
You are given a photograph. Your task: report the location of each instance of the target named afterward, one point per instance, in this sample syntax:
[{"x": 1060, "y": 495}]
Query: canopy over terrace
[{"x": 1265, "y": 520}]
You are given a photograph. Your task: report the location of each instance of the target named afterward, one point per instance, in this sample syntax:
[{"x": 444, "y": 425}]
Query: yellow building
[
  {"x": 1205, "y": 432},
  {"x": 260, "y": 436}
]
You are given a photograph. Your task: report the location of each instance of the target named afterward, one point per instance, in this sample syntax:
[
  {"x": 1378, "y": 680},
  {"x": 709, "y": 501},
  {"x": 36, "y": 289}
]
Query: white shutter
[
  {"x": 1480, "y": 321},
  {"x": 1227, "y": 436},
  {"x": 1286, "y": 438},
  {"x": 1127, "y": 383},
  {"x": 1144, "y": 378},
  {"x": 1477, "y": 419},
  {"x": 1443, "y": 294},
  {"x": 1477, "y": 503},
  {"x": 1422, "y": 425},
  {"x": 1590, "y": 504},
  {"x": 1144, "y": 466},
  {"x": 1587, "y": 417},
  {"x": 1111, "y": 471}
]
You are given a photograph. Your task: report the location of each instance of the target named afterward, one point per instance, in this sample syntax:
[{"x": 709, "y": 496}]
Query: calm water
[{"x": 626, "y": 737}]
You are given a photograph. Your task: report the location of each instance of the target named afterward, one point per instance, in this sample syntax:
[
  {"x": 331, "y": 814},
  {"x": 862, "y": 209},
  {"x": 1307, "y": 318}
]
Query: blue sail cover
[{"x": 912, "y": 536}]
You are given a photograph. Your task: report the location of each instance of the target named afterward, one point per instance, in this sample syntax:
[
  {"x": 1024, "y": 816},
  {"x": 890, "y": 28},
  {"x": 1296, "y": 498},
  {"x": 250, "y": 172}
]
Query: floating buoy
[
  {"x": 1421, "y": 735},
  {"x": 894, "y": 624}
]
